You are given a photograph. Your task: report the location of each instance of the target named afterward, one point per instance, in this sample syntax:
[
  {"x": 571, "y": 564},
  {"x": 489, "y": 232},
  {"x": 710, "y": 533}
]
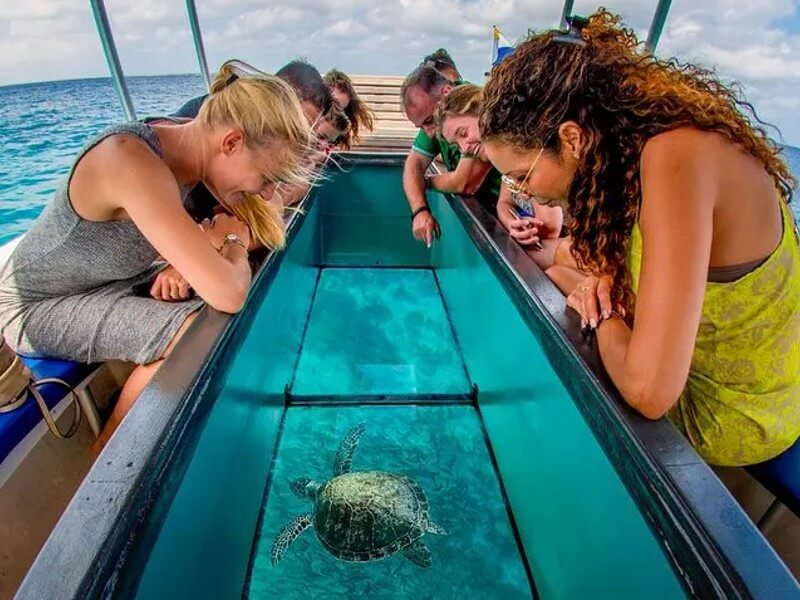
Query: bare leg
[{"x": 136, "y": 382}]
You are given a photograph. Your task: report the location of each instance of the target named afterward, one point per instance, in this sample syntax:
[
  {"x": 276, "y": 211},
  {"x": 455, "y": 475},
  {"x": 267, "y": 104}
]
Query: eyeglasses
[
  {"x": 336, "y": 140},
  {"x": 519, "y": 188}
]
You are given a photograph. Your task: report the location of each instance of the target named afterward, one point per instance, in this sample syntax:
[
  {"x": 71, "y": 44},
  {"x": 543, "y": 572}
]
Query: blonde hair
[
  {"x": 465, "y": 99},
  {"x": 263, "y": 219},
  {"x": 268, "y": 112}
]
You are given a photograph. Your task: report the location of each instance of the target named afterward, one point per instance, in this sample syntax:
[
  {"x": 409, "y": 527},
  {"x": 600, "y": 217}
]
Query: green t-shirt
[{"x": 489, "y": 191}]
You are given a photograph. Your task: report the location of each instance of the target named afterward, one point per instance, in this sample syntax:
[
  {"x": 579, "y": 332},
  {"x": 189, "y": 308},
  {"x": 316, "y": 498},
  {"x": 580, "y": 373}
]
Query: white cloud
[
  {"x": 345, "y": 29},
  {"x": 745, "y": 40}
]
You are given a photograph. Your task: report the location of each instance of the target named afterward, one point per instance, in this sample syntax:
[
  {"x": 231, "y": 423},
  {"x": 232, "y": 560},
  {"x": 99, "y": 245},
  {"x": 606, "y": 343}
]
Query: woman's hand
[
  {"x": 222, "y": 225},
  {"x": 170, "y": 286},
  {"x": 591, "y": 299},
  {"x": 525, "y": 230}
]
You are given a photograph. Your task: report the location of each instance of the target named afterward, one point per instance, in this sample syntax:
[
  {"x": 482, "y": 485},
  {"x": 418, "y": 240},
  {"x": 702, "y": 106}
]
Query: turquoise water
[
  {"x": 379, "y": 332},
  {"x": 386, "y": 332},
  {"x": 582, "y": 533},
  {"x": 43, "y": 125},
  {"x": 442, "y": 449}
]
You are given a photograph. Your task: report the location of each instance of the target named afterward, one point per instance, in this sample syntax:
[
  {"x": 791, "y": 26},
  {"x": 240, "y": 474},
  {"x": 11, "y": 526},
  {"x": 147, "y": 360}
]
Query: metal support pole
[
  {"x": 112, "y": 58},
  {"x": 565, "y": 13},
  {"x": 657, "y": 26},
  {"x": 198, "y": 41}
]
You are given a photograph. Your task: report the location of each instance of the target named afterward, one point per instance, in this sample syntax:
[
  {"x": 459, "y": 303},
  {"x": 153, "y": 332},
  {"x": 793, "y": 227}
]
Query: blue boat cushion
[
  {"x": 781, "y": 476},
  {"x": 16, "y": 424}
]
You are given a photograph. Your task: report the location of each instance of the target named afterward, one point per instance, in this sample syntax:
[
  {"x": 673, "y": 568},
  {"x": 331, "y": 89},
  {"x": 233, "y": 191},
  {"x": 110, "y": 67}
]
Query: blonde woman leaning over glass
[{"x": 68, "y": 288}]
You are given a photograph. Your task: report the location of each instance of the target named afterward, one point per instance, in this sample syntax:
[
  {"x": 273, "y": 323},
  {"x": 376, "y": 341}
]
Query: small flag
[{"x": 501, "y": 47}]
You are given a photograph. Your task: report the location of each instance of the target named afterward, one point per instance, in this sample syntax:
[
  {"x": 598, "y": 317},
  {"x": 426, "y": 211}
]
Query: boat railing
[
  {"x": 197, "y": 37},
  {"x": 112, "y": 57},
  {"x": 657, "y": 24},
  {"x": 115, "y": 67}
]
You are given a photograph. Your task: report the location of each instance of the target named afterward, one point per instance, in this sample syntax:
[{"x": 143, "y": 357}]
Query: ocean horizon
[{"x": 43, "y": 125}]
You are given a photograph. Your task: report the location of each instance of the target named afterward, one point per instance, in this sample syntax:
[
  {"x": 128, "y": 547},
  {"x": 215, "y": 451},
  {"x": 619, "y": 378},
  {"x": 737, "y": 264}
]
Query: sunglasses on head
[{"x": 573, "y": 34}]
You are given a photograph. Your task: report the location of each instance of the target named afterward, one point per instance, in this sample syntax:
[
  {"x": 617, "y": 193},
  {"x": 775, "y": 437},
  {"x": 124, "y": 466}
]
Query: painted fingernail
[
  {"x": 606, "y": 314},
  {"x": 593, "y": 323},
  {"x": 583, "y": 323}
]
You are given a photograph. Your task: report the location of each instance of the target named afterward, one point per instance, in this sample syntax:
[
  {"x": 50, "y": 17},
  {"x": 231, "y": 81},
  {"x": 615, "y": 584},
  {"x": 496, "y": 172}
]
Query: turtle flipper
[
  {"x": 299, "y": 488},
  {"x": 344, "y": 457},
  {"x": 437, "y": 529},
  {"x": 418, "y": 554},
  {"x": 287, "y": 535}
]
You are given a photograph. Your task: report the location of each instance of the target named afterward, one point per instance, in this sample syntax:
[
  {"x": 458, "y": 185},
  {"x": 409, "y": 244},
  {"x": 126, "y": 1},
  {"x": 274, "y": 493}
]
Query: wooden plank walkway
[{"x": 393, "y": 131}]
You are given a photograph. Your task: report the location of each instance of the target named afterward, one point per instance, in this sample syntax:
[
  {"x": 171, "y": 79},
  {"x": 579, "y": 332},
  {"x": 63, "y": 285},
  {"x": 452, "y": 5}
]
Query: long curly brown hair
[
  {"x": 621, "y": 96},
  {"x": 361, "y": 116}
]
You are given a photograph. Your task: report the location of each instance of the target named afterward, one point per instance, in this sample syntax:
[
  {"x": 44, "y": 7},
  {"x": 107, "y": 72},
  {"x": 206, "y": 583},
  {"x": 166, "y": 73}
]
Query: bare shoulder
[
  {"x": 118, "y": 164},
  {"x": 684, "y": 143},
  {"x": 681, "y": 173},
  {"x": 687, "y": 161},
  {"x": 118, "y": 157},
  {"x": 126, "y": 151}
]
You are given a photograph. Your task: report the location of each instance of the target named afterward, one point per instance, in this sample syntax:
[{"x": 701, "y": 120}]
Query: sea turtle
[{"x": 362, "y": 515}]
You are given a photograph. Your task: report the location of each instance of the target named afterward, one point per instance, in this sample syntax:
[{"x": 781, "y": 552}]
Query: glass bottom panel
[
  {"x": 379, "y": 331},
  {"x": 406, "y": 457}
]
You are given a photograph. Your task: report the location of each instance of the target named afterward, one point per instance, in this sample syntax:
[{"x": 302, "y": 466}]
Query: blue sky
[{"x": 754, "y": 42}]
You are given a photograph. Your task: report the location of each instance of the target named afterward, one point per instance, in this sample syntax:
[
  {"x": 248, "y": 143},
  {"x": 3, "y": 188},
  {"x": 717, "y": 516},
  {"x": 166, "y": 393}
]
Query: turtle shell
[{"x": 369, "y": 515}]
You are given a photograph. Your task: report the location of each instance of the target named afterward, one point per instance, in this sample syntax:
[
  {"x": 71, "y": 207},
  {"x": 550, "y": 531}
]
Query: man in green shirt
[{"x": 421, "y": 93}]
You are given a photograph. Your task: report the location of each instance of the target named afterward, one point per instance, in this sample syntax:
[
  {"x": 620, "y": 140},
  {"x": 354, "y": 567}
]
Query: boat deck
[{"x": 393, "y": 131}]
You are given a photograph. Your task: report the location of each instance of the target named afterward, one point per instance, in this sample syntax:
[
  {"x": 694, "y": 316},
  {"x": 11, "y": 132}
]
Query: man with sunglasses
[
  {"x": 421, "y": 93},
  {"x": 442, "y": 61}
]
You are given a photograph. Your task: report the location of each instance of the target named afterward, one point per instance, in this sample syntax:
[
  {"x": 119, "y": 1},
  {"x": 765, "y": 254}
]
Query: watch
[{"x": 232, "y": 238}]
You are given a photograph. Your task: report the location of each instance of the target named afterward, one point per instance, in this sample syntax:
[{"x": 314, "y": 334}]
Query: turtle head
[{"x": 305, "y": 488}]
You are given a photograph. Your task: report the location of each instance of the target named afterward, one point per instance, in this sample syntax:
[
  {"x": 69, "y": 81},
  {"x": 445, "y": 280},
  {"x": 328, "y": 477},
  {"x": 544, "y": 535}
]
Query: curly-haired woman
[{"x": 680, "y": 215}]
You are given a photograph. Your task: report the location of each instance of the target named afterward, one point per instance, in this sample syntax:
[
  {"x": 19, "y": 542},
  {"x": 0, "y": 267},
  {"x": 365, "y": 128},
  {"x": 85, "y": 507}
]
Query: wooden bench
[{"x": 393, "y": 131}]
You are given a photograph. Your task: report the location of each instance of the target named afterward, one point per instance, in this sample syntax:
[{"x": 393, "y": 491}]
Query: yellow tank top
[{"x": 741, "y": 403}]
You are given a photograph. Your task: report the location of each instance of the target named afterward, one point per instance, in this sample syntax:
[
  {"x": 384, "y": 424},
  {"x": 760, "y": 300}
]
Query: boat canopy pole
[
  {"x": 657, "y": 26},
  {"x": 198, "y": 41},
  {"x": 112, "y": 58},
  {"x": 565, "y": 13}
]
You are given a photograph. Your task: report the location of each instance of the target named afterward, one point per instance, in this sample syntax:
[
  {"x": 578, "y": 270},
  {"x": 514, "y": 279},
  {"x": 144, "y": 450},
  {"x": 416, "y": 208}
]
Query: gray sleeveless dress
[{"x": 67, "y": 289}]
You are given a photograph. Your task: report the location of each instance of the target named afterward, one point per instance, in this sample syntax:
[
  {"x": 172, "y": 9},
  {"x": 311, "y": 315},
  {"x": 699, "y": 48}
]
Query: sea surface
[{"x": 44, "y": 125}]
